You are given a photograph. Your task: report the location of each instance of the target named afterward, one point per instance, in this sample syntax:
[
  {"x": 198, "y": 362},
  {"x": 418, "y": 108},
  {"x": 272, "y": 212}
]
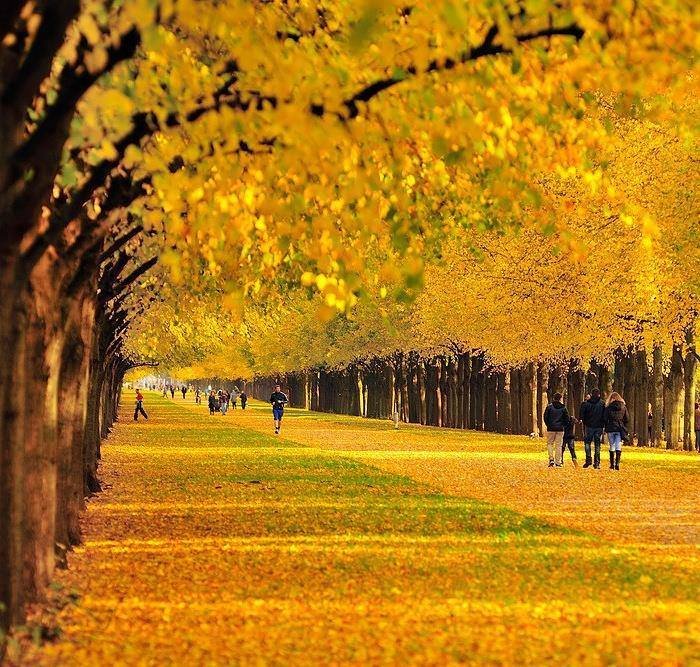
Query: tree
[{"x": 307, "y": 139}]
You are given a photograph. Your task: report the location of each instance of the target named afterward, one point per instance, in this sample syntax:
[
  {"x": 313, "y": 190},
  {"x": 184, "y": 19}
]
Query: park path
[
  {"x": 653, "y": 501},
  {"x": 345, "y": 542}
]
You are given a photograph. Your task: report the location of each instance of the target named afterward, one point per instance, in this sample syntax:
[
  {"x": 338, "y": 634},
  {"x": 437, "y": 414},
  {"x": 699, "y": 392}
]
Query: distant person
[
  {"x": 616, "y": 420},
  {"x": 278, "y": 399},
  {"x": 570, "y": 440},
  {"x": 184, "y": 392},
  {"x": 234, "y": 398},
  {"x": 244, "y": 399},
  {"x": 165, "y": 391},
  {"x": 556, "y": 418},
  {"x": 197, "y": 396},
  {"x": 592, "y": 416},
  {"x": 650, "y": 424},
  {"x": 697, "y": 427},
  {"x": 212, "y": 402},
  {"x": 139, "y": 406},
  {"x": 172, "y": 392},
  {"x": 224, "y": 399}
]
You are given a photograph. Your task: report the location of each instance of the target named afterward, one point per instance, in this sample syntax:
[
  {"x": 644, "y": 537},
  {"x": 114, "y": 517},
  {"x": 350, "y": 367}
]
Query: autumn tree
[{"x": 259, "y": 143}]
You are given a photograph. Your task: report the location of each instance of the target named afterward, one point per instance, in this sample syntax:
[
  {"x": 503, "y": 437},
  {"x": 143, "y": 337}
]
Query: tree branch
[
  {"x": 50, "y": 35},
  {"x": 488, "y": 47},
  {"x": 118, "y": 243},
  {"x": 73, "y": 83},
  {"x": 9, "y": 14},
  {"x": 134, "y": 275}
]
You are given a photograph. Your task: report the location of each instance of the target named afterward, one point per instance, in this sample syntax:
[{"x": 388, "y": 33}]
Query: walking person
[
  {"x": 224, "y": 401},
  {"x": 212, "y": 402},
  {"x": 183, "y": 389},
  {"x": 616, "y": 420},
  {"x": 556, "y": 417},
  {"x": 592, "y": 416},
  {"x": 278, "y": 400},
  {"x": 197, "y": 396},
  {"x": 139, "y": 406},
  {"x": 697, "y": 427},
  {"x": 244, "y": 399},
  {"x": 570, "y": 441},
  {"x": 234, "y": 397},
  {"x": 172, "y": 392}
]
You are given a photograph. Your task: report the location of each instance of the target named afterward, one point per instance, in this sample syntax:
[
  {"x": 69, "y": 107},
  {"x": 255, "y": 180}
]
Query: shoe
[
  {"x": 612, "y": 460},
  {"x": 558, "y": 465},
  {"x": 551, "y": 464},
  {"x": 587, "y": 464},
  {"x": 596, "y": 466},
  {"x": 618, "y": 455}
]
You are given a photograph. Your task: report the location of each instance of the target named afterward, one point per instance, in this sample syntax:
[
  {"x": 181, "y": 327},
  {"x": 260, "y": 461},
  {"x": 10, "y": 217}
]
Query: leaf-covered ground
[{"x": 345, "y": 541}]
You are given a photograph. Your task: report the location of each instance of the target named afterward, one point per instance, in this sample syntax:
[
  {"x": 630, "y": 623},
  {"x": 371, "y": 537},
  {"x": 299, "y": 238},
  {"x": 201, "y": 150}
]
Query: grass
[{"x": 345, "y": 541}]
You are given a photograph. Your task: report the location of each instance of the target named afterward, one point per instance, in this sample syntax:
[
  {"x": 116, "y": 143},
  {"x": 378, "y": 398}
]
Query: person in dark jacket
[
  {"x": 212, "y": 402},
  {"x": 570, "y": 441},
  {"x": 592, "y": 416},
  {"x": 616, "y": 420},
  {"x": 244, "y": 399},
  {"x": 556, "y": 418}
]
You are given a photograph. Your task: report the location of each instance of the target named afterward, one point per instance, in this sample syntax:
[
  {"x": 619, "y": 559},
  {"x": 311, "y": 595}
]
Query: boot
[
  {"x": 618, "y": 455},
  {"x": 588, "y": 463},
  {"x": 612, "y": 460}
]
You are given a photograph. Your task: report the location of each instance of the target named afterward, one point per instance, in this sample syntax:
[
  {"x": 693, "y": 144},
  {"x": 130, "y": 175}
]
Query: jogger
[
  {"x": 139, "y": 406},
  {"x": 278, "y": 400}
]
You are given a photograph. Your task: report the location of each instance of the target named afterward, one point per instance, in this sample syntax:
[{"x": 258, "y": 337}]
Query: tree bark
[{"x": 689, "y": 366}]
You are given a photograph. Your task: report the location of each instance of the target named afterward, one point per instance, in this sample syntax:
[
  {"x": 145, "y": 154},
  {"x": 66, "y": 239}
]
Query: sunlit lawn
[{"x": 343, "y": 540}]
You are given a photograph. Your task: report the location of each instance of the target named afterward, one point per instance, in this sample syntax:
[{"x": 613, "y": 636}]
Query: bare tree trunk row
[{"x": 460, "y": 390}]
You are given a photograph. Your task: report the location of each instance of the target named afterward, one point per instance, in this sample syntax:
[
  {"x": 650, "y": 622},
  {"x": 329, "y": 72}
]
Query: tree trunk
[
  {"x": 423, "y": 410},
  {"x": 505, "y": 404},
  {"x": 689, "y": 366},
  {"x": 657, "y": 403},
  {"x": 541, "y": 398},
  {"x": 676, "y": 399}
]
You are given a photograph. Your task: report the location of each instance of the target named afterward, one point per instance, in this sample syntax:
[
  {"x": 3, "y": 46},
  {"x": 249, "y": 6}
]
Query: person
[
  {"x": 556, "y": 417},
  {"x": 592, "y": 416},
  {"x": 224, "y": 396},
  {"x": 183, "y": 389},
  {"x": 650, "y": 424},
  {"x": 212, "y": 402},
  {"x": 172, "y": 392},
  {"x": 197, "y": 396},
  {"x": 616, "y": 420},
  {"x": 165, "y": 391},
  {"x": 278, "y": 400},
  {"x": 139, "y": 406},
  {"x": 570, "y": 440},
  {"x": 234, "y": 397},
  {"x": 244, "y": 399},
  {"x": 697, "y": 427}
]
